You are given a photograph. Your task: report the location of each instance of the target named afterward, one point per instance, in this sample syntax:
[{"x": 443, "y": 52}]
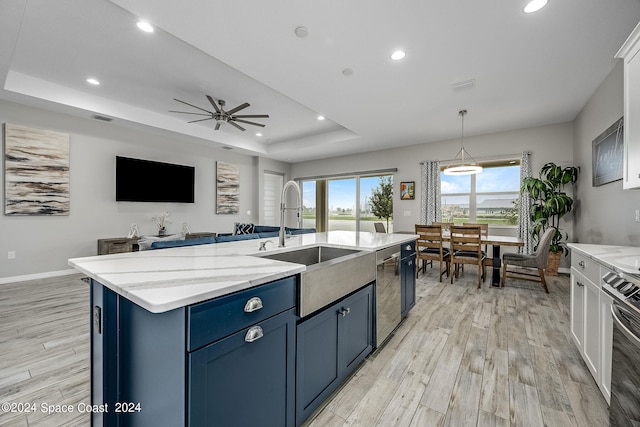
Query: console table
[{"x": 120, "y": 245}]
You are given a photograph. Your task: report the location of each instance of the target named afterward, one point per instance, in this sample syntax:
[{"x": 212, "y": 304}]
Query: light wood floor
[{"x": 463, "y": 357}]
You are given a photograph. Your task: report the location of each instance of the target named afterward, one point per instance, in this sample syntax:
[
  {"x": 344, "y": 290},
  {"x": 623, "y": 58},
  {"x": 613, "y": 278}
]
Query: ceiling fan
[{"x": 221, "y": 116}]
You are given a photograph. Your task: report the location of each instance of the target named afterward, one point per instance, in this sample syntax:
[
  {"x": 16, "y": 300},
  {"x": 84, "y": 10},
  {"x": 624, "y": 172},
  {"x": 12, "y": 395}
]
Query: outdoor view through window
[
  {"x": 490, "y": 197},
  {"x": 353, "y": 203}
]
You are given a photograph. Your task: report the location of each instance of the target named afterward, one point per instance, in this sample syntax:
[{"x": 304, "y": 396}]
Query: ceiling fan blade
[
  {"x": 201, "y": 120},
  {"x": 238, "y": 108},
  {"x": 213, "y": 102},
  {"x": 253, "y": 116},
  {"x": 217, "y": 126},
  {"x": 189, "y": 112},
  {"x": 194, "y": 106},
  {"x": 248, "y": 122},
  {"x": 236, "y": 125}
]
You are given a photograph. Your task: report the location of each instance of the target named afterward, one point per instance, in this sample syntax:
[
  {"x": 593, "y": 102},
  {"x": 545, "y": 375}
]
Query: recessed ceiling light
[
  {"x": 320, "y": 117},
  {"x": 258, "y": 134},
  {"x": 145, "y": 26},
  {"x": 93, "y": 81},
  {"x": 535, "y": 5},
  {"x": 347, "y": 72},
  {"x": 398, "y": 54}
]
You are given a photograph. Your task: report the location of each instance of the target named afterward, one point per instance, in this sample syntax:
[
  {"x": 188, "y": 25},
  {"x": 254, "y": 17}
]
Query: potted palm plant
[{"x": 549, "y": 204}]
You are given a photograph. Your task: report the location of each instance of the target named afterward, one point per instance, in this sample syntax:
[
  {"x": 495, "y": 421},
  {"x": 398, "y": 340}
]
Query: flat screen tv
[{"x": 140, "y": 180}]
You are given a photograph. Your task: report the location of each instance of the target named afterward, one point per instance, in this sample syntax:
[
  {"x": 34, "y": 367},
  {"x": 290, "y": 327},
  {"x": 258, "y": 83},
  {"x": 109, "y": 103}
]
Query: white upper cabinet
[{"x": 629, "y": 54}]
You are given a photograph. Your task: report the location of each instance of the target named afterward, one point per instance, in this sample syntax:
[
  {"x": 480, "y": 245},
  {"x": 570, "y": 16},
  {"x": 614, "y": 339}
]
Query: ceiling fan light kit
[
  {"x": 461, "y": 165},
  {"x": 221, "y": 116}
]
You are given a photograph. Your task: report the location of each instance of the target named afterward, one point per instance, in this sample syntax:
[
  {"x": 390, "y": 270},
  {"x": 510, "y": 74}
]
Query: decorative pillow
[
  {"x": 146, "y": 241},
  {"x": 243, "y": 228}
]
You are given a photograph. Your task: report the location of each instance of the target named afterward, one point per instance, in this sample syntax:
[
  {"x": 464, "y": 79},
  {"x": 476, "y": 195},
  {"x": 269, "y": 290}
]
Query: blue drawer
[
  {"x": 218, "y": 318},
  {"x": 408, "y": 249}
]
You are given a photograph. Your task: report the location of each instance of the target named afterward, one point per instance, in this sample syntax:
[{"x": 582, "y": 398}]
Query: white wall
[
  {"x": 604, "y": 214},
  {"x": 44, "y": 243},
  {"x": 547, "y": 143}
]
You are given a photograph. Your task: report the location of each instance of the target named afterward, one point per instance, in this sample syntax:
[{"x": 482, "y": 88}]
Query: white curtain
[
  {"x": 430, "y": 192},
  {"x": 524, "y": 209}
]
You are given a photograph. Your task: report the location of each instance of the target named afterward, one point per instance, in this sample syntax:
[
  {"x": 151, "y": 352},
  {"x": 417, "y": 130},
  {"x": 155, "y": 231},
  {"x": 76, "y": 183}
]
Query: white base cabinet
[{"x": 591, "y": 322}]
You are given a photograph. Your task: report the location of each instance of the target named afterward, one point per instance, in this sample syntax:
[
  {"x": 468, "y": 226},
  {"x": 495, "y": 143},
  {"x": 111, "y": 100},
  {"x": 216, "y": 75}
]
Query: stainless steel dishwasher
[{"x": 388, "y": 293}]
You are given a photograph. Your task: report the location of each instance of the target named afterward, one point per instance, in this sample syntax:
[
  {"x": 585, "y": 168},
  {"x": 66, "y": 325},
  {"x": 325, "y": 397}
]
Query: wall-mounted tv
[{"x": 140, "y": 180}]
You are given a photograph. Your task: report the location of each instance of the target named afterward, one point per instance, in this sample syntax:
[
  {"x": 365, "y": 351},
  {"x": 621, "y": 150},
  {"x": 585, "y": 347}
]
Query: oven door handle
[{"x": 625, "y": 329}]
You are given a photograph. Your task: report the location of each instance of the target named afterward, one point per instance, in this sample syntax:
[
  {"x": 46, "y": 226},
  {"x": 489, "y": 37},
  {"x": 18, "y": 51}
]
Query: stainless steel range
[{"x": 624, "y": 409}]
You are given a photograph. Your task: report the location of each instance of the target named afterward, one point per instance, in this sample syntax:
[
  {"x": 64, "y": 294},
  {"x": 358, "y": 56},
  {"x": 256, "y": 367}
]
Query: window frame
[{"x": 473, "y": 194}]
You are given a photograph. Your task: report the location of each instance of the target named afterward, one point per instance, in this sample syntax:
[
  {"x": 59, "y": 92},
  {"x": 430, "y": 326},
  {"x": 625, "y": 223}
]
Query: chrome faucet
[{"x": 283, "y": 208}]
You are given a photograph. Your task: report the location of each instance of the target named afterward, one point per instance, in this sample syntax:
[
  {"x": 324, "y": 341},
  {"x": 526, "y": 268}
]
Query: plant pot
[{"x": 553, "y": 262}]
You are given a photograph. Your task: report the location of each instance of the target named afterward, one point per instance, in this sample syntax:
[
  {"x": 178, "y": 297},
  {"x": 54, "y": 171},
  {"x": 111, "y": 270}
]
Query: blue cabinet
[
  {"x": 330, "y": 345},
  {"x": 408, "y": 277},
  {"x": 229, "y": 361},
  {"x": 247, "y": 378}
]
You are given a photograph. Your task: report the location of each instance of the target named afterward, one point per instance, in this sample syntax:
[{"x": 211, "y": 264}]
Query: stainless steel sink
[
  {"x": 311, "y": 256},
  {"x": 331, "y": 274}
]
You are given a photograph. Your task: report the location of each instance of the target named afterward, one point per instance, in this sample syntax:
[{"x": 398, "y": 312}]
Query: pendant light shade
[{"x": 462, "y": 163}]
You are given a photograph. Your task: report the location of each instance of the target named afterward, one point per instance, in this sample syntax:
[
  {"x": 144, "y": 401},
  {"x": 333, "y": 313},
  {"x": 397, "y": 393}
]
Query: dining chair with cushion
[
  {"x": 527, "y": 263},
  {"x": 429, "y": 248},
  {"x": 466, "y": 248}
]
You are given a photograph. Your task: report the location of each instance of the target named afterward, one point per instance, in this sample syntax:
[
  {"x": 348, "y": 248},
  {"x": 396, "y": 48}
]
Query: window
[
  {"x": 489, "y": 197},
  {"x": 347, "y": 200}
]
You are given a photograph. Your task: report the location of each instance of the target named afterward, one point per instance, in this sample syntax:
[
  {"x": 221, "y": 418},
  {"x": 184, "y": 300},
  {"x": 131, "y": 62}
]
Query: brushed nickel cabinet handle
[
  {"x": 253, "y": 334},
  {"x": 253, "y": 304}
]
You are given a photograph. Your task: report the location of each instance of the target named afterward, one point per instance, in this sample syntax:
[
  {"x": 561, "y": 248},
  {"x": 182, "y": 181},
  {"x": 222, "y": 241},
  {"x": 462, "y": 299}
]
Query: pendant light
[{"x": 462, "y": 163}]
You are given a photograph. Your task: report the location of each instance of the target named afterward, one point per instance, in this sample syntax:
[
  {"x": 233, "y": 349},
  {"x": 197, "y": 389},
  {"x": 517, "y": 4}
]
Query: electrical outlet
[
  {"x": 407, "y": 213},
  {"x": 11, "y": 255}
]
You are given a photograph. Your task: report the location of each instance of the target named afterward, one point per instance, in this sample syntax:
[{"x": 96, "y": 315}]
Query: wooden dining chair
[
  {"x": 466, "y": 248},
  {"x": 429, "y": 248},
  {"x": 527, "y": 263}
]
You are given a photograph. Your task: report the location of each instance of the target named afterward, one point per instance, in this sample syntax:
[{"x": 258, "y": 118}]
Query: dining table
[{"x": 496, "y": 242}]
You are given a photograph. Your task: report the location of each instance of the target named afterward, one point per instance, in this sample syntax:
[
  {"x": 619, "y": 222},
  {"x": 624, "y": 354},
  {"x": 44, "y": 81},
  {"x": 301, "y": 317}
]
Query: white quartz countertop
[
  {"x": 624, "y": 259},
  {"x": 164, "y": 279}
]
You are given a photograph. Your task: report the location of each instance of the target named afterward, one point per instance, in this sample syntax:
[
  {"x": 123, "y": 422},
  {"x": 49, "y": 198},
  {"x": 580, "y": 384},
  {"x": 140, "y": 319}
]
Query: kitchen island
[{"x": 192, "y": 335}]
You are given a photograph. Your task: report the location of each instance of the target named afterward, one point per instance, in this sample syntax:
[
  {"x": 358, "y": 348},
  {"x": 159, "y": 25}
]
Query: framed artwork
[
  {"x": 36, "y": 167},
  {"x": 608, "y": 155},
  {"x": 227, "y": 188},
  {"x": 407, "y": 190}
]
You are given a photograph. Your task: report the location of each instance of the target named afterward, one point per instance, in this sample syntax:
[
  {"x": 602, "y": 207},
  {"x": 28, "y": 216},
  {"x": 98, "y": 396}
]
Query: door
[
  {"x": 408, "y": 268},
  {"x": 591, "y": 337},
  {"x": 357, "y": 333},
  {"x": 245, "y": 379},
  {"x": 577, "y": 308},
  {"x": 606, "y": 340},
  {"x": 318, "y": 370}
]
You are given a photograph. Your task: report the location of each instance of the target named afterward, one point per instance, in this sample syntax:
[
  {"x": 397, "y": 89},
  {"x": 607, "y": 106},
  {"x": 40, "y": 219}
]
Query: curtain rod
[
  {"x": 488, "y": 158},
  {"x": 337, "y": 175}
]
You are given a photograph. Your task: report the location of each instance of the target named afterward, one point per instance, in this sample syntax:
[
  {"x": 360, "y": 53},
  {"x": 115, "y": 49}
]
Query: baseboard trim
[{"x": 45, "y": 275}]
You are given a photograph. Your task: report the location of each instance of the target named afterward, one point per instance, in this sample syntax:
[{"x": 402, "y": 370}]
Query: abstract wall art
[
  {"x": 608, "y": 155},
  {"x": 36, "y": 171},
  {"x": 227, "y": 188}
]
